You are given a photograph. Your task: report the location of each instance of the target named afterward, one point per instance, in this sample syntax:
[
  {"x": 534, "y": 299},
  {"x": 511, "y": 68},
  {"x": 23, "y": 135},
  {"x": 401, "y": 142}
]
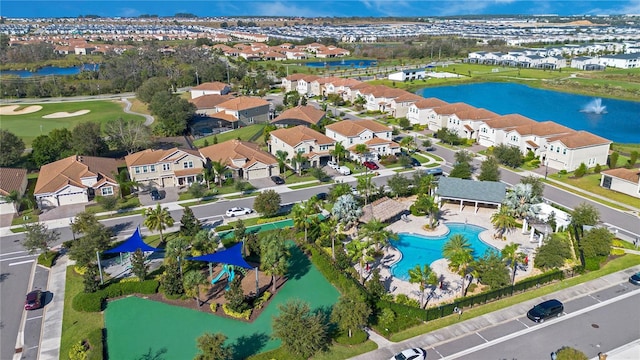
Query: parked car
[
  {"x": 411, "y": 354},
  {"x": 415, "y": 162},
  {"x": 344, "y": 170},
  {"x": 237, "y": 211},
  {"x": 371, "y": 165},
  {"x": 545, "y": 310},
  {"x": 322, "y": 196},
  {"x": 277, "y": 180},
  {"x": 333, "y": 165},
  {"x": 635, "y": 279},
  {"x": 155, "y": 195},
  {"x": 434, "y": 171},
  {"x": 33, "y": 300}
]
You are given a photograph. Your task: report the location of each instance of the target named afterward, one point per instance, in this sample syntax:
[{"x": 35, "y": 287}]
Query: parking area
[
  {"x": 64, "y": 211},
  {"x": 168, "y": 194}
]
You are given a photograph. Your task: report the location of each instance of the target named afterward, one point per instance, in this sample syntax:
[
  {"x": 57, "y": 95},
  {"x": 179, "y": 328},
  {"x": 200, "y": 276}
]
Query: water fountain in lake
[{"x": 595, "y": 107}]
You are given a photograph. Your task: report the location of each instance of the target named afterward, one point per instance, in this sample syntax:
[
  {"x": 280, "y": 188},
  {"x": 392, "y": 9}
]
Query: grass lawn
[
  {"x": 303, "y": 186},
  {"x": 26, "y": 217},
  {"x": 615, "y": 265},
  {"x": 420, "y": 157},
  {"x": 247, "y": 133},
  {"x": 295, "y": 179},
  {"x": 625, "y": 148},
  {"x": 568, "y": 189},
  {"x": 434, "y": 157},
  {"x": 129, "y": 202},
  {"x": 76, "y": 325},
  {"x": 139, "y": 107},
  {"x": 29, "y": 126},
  {"x": 591, "y": 183}
]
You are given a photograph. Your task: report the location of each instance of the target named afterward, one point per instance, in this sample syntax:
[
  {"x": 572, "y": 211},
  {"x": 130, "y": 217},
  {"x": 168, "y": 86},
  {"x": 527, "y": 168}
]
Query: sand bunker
[
  {"x": 65, "y": 114},
  {"x": 11, "y": 109}
]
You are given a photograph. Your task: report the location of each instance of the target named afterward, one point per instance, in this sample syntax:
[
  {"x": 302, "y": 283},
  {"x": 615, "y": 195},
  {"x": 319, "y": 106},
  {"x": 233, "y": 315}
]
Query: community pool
[{"x": 420, "y": 250}]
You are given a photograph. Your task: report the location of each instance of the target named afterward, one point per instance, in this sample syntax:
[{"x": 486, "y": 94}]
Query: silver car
[{"x": 237, "y": 211}]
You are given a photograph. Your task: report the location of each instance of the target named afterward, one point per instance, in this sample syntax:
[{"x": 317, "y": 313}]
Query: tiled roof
[
  {"x": 150, "y": 156},
  {"x": 295, "y": 77},
  {"x": 476, "y": 114},
  {"x": 580, "y": 139},
  {"x": 454, "y": 108},
  {"x": 532, "y": 144},
  {"x": 355, "y": 127},
  {"x": 429, "y": 103},
  {"x": 11, "y": 179},
  {"x": 243, "y": 103},
  {"x": 307, "y": 113},
  {"x": 209, "y": 101},
  {"x": 235, "y": 150},
  {"x": 509, "y": 121},
  {"x": 72, "y": 169},
  {"x": 295, "y": 135},
  {"x": 212, "y": 86},
  {"x": 632, "y": 175},
  {"x": 545, "y": 128}
]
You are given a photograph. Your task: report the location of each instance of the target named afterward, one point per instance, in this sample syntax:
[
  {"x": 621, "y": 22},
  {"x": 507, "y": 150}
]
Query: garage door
[
  {"x": 72, "y": 199},
  {"x": 257, "y": 174}
]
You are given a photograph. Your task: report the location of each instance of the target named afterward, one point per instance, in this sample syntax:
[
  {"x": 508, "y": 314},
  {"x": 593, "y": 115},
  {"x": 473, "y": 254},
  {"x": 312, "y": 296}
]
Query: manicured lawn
[
  {"x": 591, "y": 183},
  {"x": 247, "y": 133},
  {"x": 136, "y": 327},
  {"x": 625, "y": 148},
  {"x": 28, "y": 126},
  {"x": 303, "y": 186}
]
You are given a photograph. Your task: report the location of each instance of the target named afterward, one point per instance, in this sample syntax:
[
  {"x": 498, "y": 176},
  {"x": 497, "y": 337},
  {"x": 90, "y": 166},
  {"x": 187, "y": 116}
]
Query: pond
[
  {"x": 51, "y": 70},
  {"x": 351, "y": 64},
  {"x": 616, "y": 120}
]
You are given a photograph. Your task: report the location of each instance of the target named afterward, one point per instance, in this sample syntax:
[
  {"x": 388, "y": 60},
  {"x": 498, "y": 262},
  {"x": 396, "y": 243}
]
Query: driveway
[
  {"x": 5, "y": 220},
  {"x": 168, "y": 194},
  {"x": 263, "y": 183},
  {"x": 61, "y": 212}
]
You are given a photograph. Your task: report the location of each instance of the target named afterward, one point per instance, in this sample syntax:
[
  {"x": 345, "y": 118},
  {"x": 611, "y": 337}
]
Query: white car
[
  {"x": 333, "y": 165},
  {"x": 237, "y": 211},
  {"x": 344, "y": 170},
  {"x": 411, "y": 354}
]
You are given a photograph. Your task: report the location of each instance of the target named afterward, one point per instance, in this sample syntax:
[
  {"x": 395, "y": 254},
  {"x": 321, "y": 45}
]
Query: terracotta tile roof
[
  {"x": 408, "y": 97},
  {"x": 72, "y": 169},
  {"x": 429, "y": 103},
  {"x": 243, "y": 103},
  {"x": 545, "y": 128},
  {"x": 509, "y": 121},
  {"x": 632, "y": 175},
  {"x": 11, "y": 179},
  {"x": 454, "y": 108},
  {"x": 476, "y": 114},
  {"x": 295, "y": 135},
  {"x": 383, "y": 91},
  {"x": 355, "y": 127},
  {"x": 307, "y": 113},
  {"x": 295, "y": 77},
  {"x": 377, "y": 141},
  {"x": 310, "y": 78},
  {"x": 187, "y": 172},
  {"x": 211, "y": 86},
  {"x": 580, "y": 139},
  {"x": 224, "y": 116},
  {"x": 532, "y": 144},
  {"x": 346, "y": 82},
  {"x": 150, "y": 156},
  {"x": 209, "y": 101},
  {"x": 237, "y": 150},
  {"x": 469, "y": 128}
]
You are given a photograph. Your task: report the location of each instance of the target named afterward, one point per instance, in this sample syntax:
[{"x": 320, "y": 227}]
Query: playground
[{"x": 140, "y": 328}]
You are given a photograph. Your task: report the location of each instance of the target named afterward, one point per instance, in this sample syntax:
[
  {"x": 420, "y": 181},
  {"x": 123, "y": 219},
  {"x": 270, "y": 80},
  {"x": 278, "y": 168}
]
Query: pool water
[{"x": 420, "y": 250}]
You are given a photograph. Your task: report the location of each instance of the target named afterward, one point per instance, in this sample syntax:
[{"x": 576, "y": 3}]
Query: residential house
[
  {"x": 76, "y": 180},
  {"x": 626, "y": 181},
  {"x": 467, "y": 122},
  {"x": 621, "y": 61},
  {"x": 444, "y": 112},
  {"x": 533, "y": 137},
  {"x": 400, "y": 105},
  {"x": 586, "y": 63},
  {"x": 245, "y": 160},
  {"x": 379, "y": 97},
  {"x": 567, "y": 152},
  {"x": 304, "y": 85},
  {"x": 376, "y": 136},
  {"x": 339, "y": 85},
  {"x": 11, "y": 179},
  {"x": 422, "y": 111},
  {"x": 210, "y": 88},
  {"x": 206, "y": 104},
  {"x": 408, "y": 75},
  {"x": 164, "y": 168},
  {"x": 493, "y": 132},
  {"x": 314, "y": 145},
  {"x": 290, "y": 83},
  {"x": 243, "y": 111},
  {"x": 306, "y": 115}
]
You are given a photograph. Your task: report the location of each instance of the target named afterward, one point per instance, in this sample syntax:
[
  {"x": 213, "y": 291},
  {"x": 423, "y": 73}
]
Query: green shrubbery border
[
  {"x": 238, "y": 315},
  {"x": 48, "y": 258},
  {"x": 93, "y": 302}
]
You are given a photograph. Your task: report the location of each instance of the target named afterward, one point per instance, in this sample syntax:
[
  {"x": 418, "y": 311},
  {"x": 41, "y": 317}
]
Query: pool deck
[{"x": 452, "y": 282}]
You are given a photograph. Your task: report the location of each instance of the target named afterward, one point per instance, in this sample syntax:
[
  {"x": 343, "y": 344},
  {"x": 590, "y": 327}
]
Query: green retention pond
[{"x": 139, "y": 328}]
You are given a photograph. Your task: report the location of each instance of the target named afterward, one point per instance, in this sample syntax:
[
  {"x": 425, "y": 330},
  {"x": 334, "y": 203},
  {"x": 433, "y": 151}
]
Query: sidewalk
[
  {"x": 52, "y": 318},
  {"x": 437, "y": 337}
]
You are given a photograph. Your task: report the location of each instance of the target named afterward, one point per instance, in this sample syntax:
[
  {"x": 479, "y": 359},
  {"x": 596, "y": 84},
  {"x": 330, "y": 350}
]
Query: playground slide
[
  {"x": 232, "y": 274},
  {"x": 225, "y": 270}
]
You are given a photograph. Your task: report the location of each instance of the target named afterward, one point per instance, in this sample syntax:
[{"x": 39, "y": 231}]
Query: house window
[
  {"x": 550, "y": 147},
  {"x": 187, "y": 164},
  {"x": 606, "y": 182},
  {"x": 302, "y": 150},
  {"x": 166, "y": 167},
  {"x": 564, "y": 151},
  {"x": 152, "y": 168},
  {"x": 251, "y": 120},
  {"x": 324, "y": 147},
  {"x": 350, "y": 141},
  {"x": 145, "y": 169},
  {"x": 137, "y": 169},
  {"x": 106, "y": 191}
]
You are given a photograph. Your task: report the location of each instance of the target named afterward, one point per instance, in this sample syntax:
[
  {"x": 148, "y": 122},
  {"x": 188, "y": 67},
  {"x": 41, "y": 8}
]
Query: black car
[
  {"x": 415, "y": 162},
  {"x": 155, "y": 195},
  {"x": 545, "y": 310},
  {"x": 277, "y": 180},
  {"x": 321, "y": 196},
  {"x": 635, "y": 279}
]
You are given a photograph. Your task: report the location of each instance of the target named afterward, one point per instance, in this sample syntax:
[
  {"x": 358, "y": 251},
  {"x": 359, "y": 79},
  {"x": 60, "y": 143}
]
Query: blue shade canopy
[
  {"x": 133, "y": 243},
  {"x": 231, "y": 256}
]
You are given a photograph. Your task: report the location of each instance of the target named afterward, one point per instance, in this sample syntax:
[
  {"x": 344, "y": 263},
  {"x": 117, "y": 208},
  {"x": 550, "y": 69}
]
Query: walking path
[
  {"x": 52, "y": 318},
  {"x": 148, "y": 118}
]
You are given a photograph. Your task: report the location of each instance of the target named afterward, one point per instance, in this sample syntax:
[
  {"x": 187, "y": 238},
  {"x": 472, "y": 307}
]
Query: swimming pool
[{"x": 420, "y": 250}]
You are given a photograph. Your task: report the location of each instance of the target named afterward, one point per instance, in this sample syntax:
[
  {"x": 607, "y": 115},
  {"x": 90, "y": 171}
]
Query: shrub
[
  {"x": 88, "y": 302},
  {"x": 581, "y": 170},
  {"x": 262, "y": 300},
  {"x": 48, "y": 258},
  {"x": 108, "y": 202},
  {"x": 92, "y": 302},
  {"x": 80, "y": 270},
  {"x": 592, "y": 263},
  {"x": 271, "y": 219},
  {"x": 562, "y": 172},
  {"x": 224, "y": 228},
  {"x": 597, "y": 169},
  {"x": 78, "y": 351},
  {"x": 213, "y": 307},
  {"x": 405, "y": 300},
  {"x": 238, "y": 315},
  {"x": 617, "y": 252}
]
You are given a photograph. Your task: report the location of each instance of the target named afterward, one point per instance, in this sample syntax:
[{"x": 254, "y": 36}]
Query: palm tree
[
  {"x": 377, "y": 233},
  {"x": 409, "y": 142},
  {"x": 346, "y": 210},
  {"x": 158, "y": 219},
  {"x": 426, "y": 183},
  {"x": 177, "y": 250},
  {"x": 460, "y": 255},
  {"x": 423, "y": 276},
  {"x": 298, "y": 161},
  {"x": 502, "y": 221},
  {"x": 219, "y": 168},
  {"x": 302, "y": 214},
  {"x": 209, "y": 175},
  {"x": 511, "y": 255},
  {"x": 329, "y": 228},
  {"x": 357, "y": 252},
  {"x": 282, "y": 156},
  {"x": 192, "y": 281},
  {"x": 124, "y": 182},
  {"x": 429, "y": 206},
  {"x": 338, "y": 152},
  {"x": 274, "y": 256},
  {"x": 14, "y": 198},
  {"x": 361, "y": 149}
]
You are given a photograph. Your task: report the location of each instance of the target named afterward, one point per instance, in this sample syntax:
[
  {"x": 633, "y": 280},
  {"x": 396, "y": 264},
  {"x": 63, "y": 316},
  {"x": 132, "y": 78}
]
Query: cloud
[{"x": 288, "y": 9}]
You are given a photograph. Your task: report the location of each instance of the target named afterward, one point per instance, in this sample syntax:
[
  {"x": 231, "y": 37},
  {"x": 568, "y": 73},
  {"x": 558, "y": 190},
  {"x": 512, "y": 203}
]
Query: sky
[{"x": 314, "y": 8}]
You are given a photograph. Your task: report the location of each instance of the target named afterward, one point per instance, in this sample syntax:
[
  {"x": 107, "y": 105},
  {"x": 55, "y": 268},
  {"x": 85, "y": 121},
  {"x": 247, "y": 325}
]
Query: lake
[
  {"x": 620, "y": 121},
  {"x": 352, "y": 64},
  {"x": 51, "y": 70}
]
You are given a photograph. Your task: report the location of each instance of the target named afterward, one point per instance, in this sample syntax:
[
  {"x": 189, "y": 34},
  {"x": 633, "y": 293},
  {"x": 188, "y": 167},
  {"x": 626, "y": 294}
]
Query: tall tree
[
  {"x": 583, "y": 214},
  {"x": 423, "y": 276},
  {"x": 139, "y": 266},
  {"x": 427, "y": 205},
  {"x": 303, "y": 215},
  {"x": 11, "y": 148},
  {"x": 176, "y": 251},
  {"x": 597, "y": 242},
  {"x": 298, "y": 161},
  {"x": 282, "y": 156},
  {"x": 212, "y": 347},
  {"x": 377, "y": 233},
  {"x": 302, "y": 332},
  {"x": 274, "y": 256},
  {"x": 460, "y": 255},
  {"x": 219, "y": 169},
  {"x": 338, "y": 152},
  {"x": 490, "y": 270},
  {"x": 125, "y": 184},
  {"x": 489, "y": 170},
  {"x": 537, "y": 185},
  {"x": 329, "y": 229},
  {"x": 173, "y": 113},
  {"x": 400, "y": 185},
  {"x": 358, "y": 252},
  {"x": 129, "y": 135},
  {"x": 39, "y": 237},
  {"x": 346, "y": 210},
  {"x": 512, "y": 256},
  {"x": 189, "y": 223},
  {"x": 267, "y": 203},
  {"x": 151, "y": 86},
  {"x": 461, "y": 170},
  {"x": 191, "y": 282},
  {"x": 87, "y": 139},
  {"x": 158, "y": 219},
  {"x": 351, "y": 312},
  {"x": 503, "y": 221}
]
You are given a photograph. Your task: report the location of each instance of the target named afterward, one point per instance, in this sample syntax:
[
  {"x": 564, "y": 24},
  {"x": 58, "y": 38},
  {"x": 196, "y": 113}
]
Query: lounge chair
[{"x": 405, "y": 218}]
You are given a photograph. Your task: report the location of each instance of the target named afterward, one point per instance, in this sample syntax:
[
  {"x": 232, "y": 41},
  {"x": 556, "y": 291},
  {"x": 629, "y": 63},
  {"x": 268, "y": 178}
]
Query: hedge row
[
  {"x": 92, "y": 302},
  {"x": 335, "y": 276},
  {"x": 224, "y": 228}
]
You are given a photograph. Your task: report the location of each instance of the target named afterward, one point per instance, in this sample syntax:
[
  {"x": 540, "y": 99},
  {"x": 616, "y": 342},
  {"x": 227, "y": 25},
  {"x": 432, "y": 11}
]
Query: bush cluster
[
  {"x": 238, "y": 315},
  {"x": 271, "y": 219},
  {"x": 47, "y": 258},
  {"x": 224, "y": 228},
  {"x": 259, "y": 302},
  {"x": 92, "y": 302}
]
